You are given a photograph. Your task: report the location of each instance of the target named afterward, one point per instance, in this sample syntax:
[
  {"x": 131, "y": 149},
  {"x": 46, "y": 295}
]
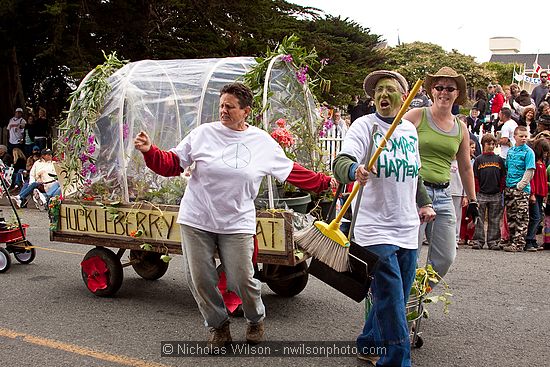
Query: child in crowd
[
  {"x": 467, "y": 227},
  {"x": 490, "y": 175},
  {"x": 520, "y": 166},
  {"x": 473, "y": 121},
  {"x": 539, "y": 190},
  {"x": 546, "y": 236},
  {"x": 459, "y": 199}
]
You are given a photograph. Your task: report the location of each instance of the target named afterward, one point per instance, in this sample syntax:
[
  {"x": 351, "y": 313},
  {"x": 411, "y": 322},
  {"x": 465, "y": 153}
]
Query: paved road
[{"x": 500, "y": 315}]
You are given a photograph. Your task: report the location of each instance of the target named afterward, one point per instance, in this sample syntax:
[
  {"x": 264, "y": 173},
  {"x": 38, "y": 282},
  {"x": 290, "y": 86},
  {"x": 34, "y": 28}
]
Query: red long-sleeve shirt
[
  {"x": 167, "y": 163},
  {"x": 539, "y": 184},
  {"x": 498, "y": 102}
]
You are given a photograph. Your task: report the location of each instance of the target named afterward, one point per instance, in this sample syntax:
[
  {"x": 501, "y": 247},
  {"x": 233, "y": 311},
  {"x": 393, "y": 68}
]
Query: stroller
[{"x": 13, "y": 236}]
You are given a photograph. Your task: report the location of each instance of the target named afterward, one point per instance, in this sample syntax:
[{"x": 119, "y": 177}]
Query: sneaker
[
  {"x": 477, "y": 246},
  {"x": 531, "y": 249},
  {"x": 495, "y": 248},
  {"x": 16, "y": 201},
  {"x": 219, "y": 337},
  {"x": 39, "y": 200},
  {"x": 510, "y": 248},
  {"x": 255, "y": 333}
]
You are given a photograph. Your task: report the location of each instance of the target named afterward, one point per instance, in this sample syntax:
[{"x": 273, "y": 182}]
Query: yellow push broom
[{"x": 325, "y": 241}]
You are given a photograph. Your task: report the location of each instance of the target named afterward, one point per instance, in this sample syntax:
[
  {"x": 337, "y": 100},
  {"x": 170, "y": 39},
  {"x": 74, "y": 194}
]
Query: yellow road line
[
  {"x": 75, "y": 349},
  {"x": 55, "y": 250}
]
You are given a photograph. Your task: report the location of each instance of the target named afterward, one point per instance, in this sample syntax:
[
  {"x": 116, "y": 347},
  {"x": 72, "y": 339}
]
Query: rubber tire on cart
[
  {"x": 5, "y": 260},
  {"x": 286, "y": 287},
  {"x": 26, "y": 256},
  {"x": 148, "y": 264},
  {"x": 114, "y": 271}
]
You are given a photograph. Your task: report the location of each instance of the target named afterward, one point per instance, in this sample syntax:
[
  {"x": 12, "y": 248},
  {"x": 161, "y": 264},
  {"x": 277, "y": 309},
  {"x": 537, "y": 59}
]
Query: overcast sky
[{"x": 466, "y": 27}]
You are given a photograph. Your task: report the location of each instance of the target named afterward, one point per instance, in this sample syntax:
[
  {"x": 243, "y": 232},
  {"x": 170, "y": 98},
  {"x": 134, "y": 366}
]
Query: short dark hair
[
  {"x": 520, "y": 128},
  {"x": 488, "y": 138},
  {"x": 241, "y": 91},
  {"x": 506, "y": 112}
]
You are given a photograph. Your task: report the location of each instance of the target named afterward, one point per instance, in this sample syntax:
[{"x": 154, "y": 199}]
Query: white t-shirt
[
  {"x": 229, "y": 169},
  {"x": 15, "y": 128},
  {"x": 507, "y": 131},
  {"x": 388, "y": 212},
  {"x": 456, "y": 181}
]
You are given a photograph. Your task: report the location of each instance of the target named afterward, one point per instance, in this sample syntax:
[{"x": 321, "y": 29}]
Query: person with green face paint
[{"x": 393, "y": 204}]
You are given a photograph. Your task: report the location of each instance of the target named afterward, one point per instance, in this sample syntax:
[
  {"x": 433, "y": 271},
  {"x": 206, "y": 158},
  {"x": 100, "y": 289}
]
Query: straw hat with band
[
  {"x": 370, "y": 81},
  {"x": 448, "y": 73}
]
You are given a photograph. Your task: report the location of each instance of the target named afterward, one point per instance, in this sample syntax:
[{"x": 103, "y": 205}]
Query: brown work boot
[
  {"x": 220, "y": 337},
  {"x": 255, "y": 333}
]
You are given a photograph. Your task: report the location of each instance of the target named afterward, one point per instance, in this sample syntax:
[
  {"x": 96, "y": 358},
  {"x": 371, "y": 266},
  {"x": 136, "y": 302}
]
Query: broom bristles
[{"x": 323, "y": 248}]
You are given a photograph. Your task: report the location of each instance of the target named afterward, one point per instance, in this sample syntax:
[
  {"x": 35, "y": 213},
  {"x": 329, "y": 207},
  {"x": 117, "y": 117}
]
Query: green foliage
[
  {"x": 415, "y": 60},
  {"x": 290, "y": 106},
  {"x": 77, "y": 139},
  {"x": 502, "y": 73}
]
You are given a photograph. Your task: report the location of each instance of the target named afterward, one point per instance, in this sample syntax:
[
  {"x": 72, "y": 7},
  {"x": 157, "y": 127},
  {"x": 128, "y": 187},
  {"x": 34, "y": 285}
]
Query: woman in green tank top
[{"x": 441, "y": 136}]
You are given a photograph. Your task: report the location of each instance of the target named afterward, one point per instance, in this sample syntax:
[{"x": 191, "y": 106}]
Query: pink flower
[
  {"x": 83, "y": 157},
  {"x": 92, "y": 168},
  {"x": 287, "y": 58},
  {"x": 91, "y": 139},
  {"x": 91, "y": 149},
  {"x": 324, "y": 61},
  {"x": 301, "y": 75},
  {"x": 66, "y": 139},
  {"x": 280, "y": 122},
  {"x": 283, "y": 137}
]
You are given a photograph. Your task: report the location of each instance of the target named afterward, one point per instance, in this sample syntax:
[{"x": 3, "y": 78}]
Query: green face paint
[{"x": 388, "y": 97}]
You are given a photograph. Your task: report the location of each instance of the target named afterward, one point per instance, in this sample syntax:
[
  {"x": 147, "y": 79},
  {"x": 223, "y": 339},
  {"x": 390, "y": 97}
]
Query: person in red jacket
[
  {"x": 496, "y": 106},
  {"x": 539, "y": 190},
  {"x": 217, "y": 213}
]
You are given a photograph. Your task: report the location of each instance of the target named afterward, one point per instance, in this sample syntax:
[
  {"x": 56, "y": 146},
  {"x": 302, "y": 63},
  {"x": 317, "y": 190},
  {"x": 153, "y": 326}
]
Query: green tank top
[{"x": 437, "y": 148}]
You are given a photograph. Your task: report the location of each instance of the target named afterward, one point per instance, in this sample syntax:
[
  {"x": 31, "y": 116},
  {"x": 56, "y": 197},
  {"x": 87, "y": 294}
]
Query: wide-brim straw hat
[
  {"x": 370, "y": 81},
  {"x": 449, "y": 73}
]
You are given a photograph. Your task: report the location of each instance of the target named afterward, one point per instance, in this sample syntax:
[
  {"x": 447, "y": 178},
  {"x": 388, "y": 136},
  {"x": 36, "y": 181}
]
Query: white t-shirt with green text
[{"x": 388, "y": 212}]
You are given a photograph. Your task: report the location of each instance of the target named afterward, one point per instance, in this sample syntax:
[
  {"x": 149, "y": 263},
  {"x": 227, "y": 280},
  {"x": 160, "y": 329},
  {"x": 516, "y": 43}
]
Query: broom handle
[{"x": 336, "y": 222}]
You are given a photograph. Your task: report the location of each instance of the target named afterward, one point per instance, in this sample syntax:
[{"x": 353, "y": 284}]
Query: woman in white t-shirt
[
  {"x": 217, "y": 212},
  {"x": 388, "y": 218}
]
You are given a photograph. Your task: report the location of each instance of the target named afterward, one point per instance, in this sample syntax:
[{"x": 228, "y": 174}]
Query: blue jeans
[
  {"x": 27, "y": 190},
  {"x": 441, "y": 233},
  {"x": 235, "y": 252},
  {"x": 386, "y": 324},
  {"x": 535, "y": 216},
  {"x": 54, "y": 190}
]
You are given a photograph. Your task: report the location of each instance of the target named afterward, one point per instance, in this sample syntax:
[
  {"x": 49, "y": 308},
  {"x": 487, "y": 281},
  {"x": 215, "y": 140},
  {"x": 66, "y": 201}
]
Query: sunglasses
[{"x": 440, "y": 88}]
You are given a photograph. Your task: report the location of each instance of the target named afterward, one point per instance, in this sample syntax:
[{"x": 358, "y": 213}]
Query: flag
[{"x": 536, "y": 67}]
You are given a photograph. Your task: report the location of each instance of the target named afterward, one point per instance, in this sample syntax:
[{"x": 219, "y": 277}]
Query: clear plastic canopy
[{"x": 167, "y": 99}]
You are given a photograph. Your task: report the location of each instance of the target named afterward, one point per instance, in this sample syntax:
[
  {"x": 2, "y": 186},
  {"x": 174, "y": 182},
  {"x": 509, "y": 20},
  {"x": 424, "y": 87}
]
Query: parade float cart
[
  {"x": 113, "y": 202},
  {"x": 13, "y": 235}
]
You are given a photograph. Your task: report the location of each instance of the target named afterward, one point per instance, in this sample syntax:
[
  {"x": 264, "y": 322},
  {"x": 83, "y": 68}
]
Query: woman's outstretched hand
[{"x": 142, "y": 142}]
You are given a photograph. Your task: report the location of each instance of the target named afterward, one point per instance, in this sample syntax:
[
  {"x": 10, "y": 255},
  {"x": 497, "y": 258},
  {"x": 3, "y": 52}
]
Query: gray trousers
[
  {"x": 235, "y": 252},
  {"x": 490, "y": 210}
]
